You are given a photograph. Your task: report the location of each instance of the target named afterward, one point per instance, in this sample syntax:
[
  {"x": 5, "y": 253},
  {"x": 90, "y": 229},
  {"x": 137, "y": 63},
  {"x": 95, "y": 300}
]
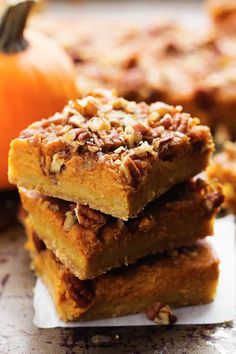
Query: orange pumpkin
[{"x": 36, "y": 78}]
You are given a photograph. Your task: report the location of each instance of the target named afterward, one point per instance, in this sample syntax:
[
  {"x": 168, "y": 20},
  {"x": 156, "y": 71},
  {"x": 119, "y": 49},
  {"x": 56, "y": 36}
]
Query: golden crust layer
[
  {"x": 89, "y": 243},
  {"x": 185, "y": 277},
  {"x": 114, "y": 155}
]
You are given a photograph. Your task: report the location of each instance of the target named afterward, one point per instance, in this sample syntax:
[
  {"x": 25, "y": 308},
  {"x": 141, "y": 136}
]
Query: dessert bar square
[
  {"x": 188, "y": 276},
  {"x": 111, "y": 154},
  {"x": 89, "y": 243},
  {"x": 223, "y": 168}
]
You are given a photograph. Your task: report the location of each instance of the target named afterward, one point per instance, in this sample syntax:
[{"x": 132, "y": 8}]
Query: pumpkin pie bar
[
  {"x": 187, "y": 276},
  {"x": 89, "y": 243},
  {"x": 223, "y": 168},
  {"x": 111, "y": 154}
]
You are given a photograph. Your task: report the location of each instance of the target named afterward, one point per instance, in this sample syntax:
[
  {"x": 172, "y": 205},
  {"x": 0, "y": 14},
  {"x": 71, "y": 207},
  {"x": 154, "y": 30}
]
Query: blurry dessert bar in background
[
  {"x": 105, "y": 183},
  {"x": 157, "y": 61},
  {"x": 223, "y": 13},
  {"x": 223, "y": 168}
]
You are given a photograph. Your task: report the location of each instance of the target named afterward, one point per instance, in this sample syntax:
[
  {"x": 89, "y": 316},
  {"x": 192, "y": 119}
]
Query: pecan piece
[
  {"x": 166, "y": 121},
  {"x": 130, "y": 170},
  {"x": 161, "y": 314},
  {"x": 165, "y": 152},
  {"x": 214, "y": 200},
  {"x": 70, "y": 220},
  {"x": 81, "y": 291},
  {"x": 146, "y": 223},
  {"x": 89, "y": 218},
  {"x": 58, "y": 161}
]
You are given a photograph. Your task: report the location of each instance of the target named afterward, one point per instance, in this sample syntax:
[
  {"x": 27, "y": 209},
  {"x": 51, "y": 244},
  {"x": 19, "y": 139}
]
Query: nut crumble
[{"x": 127, "y": 135}]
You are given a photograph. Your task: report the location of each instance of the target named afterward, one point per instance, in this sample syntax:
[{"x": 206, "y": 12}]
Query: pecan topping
[
  {"x": 214, "y": 200},
  {"x": 81, "y": 291},
  {"x": 130, "y": 171},
  {"x": 58, "y": 161},
  {"x": 146, "y": 224},
  {"x": 161, "y": 314},
  {"x": 89, "y": 218},
  {"x": 165, "y": 148},
  {"x": 70, "y": 220},
  {"x": 115, "y": 129}
]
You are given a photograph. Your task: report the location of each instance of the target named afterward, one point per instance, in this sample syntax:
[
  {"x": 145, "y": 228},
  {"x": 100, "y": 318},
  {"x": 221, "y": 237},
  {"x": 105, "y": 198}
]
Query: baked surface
[
  {"x": 223, "y": 168},
  {"x": 89, "y": 243},
  {"x": 187, "y": 277},
  {"x": 111, "y": 154}
]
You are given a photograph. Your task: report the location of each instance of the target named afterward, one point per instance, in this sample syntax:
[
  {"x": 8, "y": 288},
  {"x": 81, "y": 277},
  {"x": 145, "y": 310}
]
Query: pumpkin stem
[{"x": 12, "y": 26}]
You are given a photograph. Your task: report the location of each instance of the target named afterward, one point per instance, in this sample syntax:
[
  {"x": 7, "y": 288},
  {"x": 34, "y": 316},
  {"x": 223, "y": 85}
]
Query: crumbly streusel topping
[{"x": 126, "y": 134}]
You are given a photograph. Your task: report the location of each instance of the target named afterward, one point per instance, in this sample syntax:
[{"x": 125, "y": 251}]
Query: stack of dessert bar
[{"x": 114, "y": 218}]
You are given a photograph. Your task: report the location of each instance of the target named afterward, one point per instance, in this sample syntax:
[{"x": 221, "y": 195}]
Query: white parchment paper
[{"x": 220, "y": 310}]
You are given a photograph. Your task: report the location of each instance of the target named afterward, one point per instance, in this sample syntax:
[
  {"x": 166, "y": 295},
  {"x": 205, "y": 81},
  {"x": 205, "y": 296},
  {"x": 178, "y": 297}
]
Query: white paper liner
[{"x": 220, "y": 310}]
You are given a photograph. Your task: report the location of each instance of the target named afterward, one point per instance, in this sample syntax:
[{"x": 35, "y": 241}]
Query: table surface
[{"x": 17, "y": 332}]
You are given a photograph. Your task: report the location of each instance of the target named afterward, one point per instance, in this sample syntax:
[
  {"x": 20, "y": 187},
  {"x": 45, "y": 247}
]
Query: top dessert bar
[{"x": 111, "y": 154}]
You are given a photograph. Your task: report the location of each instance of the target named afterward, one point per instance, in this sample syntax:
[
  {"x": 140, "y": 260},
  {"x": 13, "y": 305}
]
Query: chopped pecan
[
  {"x": 69, "y": 221},
  {"x": 111, "y": 141},
  {"x": 214, "y": 200},
  {"x": 69, "y": 136},
  {"x": 161, "y": 108},
  {"x": 58, "y": 160},
  {"x": 166, "y": 121},
  {"x": 143, "y": 149},
  {"x": 119, "y": 103},
  {"x": 161, "y": 314},
  {"x": 96, "y": 124},
  {"x": 146, "y": 224},
  {"x": 132, "y": 137},
  {"x": 130, "y": 170},
  {"x": 181, "y": 122},
  {"x": 82, "y": 136},
  {"x": 81, "y": 291},
  {"x": 77, "y": 120},
  {"x": 141, "y": 128},
  {"x": 92, "y": 147},
  {"x": 87, "y": 106},
  {"x": 164, "y": 148},
  {"x": 89, "y": 218}
]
